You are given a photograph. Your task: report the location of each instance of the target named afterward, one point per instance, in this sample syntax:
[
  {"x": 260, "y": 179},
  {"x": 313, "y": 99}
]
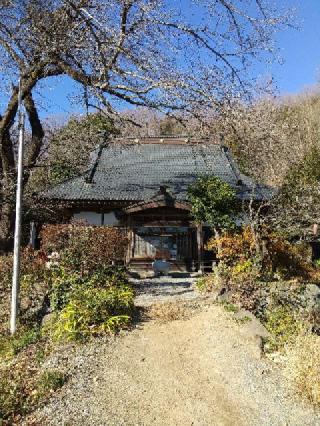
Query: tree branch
[{"x": 37, "y": 131}]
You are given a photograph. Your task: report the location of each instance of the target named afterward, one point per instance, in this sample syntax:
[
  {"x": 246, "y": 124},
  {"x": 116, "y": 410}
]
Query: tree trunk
[
  {"x": 8, "y": 169},
  {"x": 7, "y": 177},
  {"x": 7, "y": 212}
]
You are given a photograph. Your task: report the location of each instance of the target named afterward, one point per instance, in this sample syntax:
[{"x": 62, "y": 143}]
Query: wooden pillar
[
  {"x": 130, "y": 236},
  {"x": 200, "y": 249},
  {"x": 128, "y": 254},
  {"x": 33, "y": 235}
]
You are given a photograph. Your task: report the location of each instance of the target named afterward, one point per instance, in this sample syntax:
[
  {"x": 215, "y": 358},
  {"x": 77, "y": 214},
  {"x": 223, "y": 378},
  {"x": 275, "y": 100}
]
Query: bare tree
[
  {"x": 137, "y": 52},
  {"x": 270, "y": 136}
]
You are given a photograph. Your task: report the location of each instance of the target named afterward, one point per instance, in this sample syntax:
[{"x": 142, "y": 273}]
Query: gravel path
[
  {"x": 162, "y": 289},
  {"x": 205, "y": 370}
]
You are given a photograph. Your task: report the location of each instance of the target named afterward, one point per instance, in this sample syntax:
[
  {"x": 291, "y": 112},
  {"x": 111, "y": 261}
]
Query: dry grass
[
  {"x": 169, "y": 311},
  {"x": 303, "y": 367}
]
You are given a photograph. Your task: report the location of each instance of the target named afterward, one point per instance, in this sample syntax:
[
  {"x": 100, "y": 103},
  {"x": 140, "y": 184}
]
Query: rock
[
  {"x": 253, "y": 330},
  {"x": 224, "y": 295},
  {"x": 312, "y": 295},
  {"x": 161, "y": 266},
  {"x": 252, "y": 327}
]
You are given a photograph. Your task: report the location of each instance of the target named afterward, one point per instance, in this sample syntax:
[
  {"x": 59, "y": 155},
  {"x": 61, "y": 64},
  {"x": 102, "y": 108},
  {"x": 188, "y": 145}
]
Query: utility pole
[{"x": 17, "y": 231}]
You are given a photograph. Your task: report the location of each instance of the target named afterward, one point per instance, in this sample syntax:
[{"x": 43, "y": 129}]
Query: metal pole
[{"x": 17, "y": 232}]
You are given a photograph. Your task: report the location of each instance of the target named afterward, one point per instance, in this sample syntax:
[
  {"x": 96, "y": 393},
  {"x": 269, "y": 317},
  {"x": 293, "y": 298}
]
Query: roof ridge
[
  {"x": 233, "y": 165},
  {"x": 164, "y": 140},
  {"x": 89, "y": 177}
]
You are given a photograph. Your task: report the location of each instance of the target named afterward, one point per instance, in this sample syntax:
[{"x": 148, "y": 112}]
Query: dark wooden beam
[{"x": 200, "y": 248}]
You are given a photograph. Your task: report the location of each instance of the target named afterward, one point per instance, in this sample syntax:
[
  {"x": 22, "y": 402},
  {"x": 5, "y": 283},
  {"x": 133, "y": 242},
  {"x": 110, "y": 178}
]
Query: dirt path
[{"x": 205, "y": 370}]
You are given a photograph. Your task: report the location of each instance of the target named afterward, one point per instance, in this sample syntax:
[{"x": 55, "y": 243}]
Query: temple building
[{"x": 141, "y": 186}]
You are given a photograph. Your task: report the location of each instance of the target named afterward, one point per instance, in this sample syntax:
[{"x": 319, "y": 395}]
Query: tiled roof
[{"x": 134, "y": 172}]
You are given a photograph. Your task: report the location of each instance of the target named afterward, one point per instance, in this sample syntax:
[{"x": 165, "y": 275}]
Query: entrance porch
[{"x": 164, "y": 231}]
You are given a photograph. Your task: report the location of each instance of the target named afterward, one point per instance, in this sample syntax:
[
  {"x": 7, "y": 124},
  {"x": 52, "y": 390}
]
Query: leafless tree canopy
[{"x": 142, "y": 52}]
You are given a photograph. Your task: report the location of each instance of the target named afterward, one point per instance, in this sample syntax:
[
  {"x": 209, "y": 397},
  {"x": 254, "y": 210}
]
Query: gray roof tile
[{"x": 135, "y": 172}]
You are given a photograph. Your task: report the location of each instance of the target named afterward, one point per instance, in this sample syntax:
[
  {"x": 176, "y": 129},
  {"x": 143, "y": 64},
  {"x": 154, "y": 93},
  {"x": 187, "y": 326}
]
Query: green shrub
[
  {"x": 12, "y": 398},
  {"x": 216, "y": 280},
  {"x": 284, "y": 326},
  {"x": 65, "y": 284},
  {"x": 205, "y": 284},
  {"x": 94, "y": 300},
  {"x": 213, "y": 201},
  {"x": 18, "y": 389},
  {"x": 12, "y": 345},
  {"x": 230, "y": 307},
  {"x": 243, "y": 320},
  {"x": 246, "y": 270},
  {"x": 93, "y": 311},
  {"x": 50, "y": 381},
  {"x": 21, "y": 389},
  {"x": 24, "y": 339},
  {"x": 109, "y": 275}
]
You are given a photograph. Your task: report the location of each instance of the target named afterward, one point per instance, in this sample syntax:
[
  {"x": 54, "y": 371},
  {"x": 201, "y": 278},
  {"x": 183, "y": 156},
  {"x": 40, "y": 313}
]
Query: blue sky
[{"x": 300, "y": 50}]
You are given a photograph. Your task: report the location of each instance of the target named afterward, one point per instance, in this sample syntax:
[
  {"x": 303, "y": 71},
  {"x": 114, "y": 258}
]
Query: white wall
[
  {"x": 110, "y": 219},
  {"x": 93, "y": 218}
]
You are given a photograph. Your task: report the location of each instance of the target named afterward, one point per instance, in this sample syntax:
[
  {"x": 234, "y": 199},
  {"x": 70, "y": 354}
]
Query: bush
[
  {"x": 18, "y": 389},
  {"x": 286, "y": 260},
  {"x": 241, "y": 280},
  {"x": 213, "y": 201},
  {"x": 32, "y": 265},
  {"x": 34, "y": 285},
  {"x": 268, "y": 252},
  {"x": 89, "y": 305},
  {"x": 93, "y": 311},
  {"x": 22, "y": 388},
  {"x": 65, "y": 284},
  {"x": 234, "y": 247},
  {"x": 303, "y": 367},
  {"x": 12, "y": 345},
  {"x": 250, "y": 263},
  {"x": 284, "y": 326},
  {"x": 84, "y": 248},
  {"x": 12, "y": 398},
  {"x": 239, "y": 269},
  {"x": 110, "y": 275},
  {"x": 50, "y": 381},
  {"x": 206, "y": 284},
  {"x": 229, "y": 307},
  {"x": 93, "y": 300},
  {"x": 217, "y": 280},
  {"x": 6, "y": 265}
]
